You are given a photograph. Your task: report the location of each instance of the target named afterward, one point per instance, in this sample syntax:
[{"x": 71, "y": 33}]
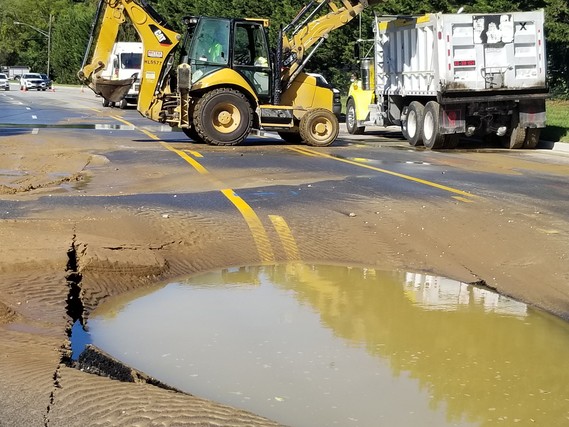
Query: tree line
[{"x": 71, "y": 22}]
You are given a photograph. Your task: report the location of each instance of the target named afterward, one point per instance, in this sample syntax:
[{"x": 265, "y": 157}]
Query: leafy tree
[
  {"x": 70, "y": 41},
  {"x": 22, "y": 45}
]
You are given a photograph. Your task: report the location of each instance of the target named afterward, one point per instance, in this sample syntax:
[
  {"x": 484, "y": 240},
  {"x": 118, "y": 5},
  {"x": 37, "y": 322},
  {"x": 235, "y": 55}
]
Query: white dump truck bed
[{"x": 440, "y": 53}]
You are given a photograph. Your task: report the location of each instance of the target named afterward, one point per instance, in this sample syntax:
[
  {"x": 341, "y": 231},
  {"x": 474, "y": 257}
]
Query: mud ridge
[{"x": 93, "y": 360}]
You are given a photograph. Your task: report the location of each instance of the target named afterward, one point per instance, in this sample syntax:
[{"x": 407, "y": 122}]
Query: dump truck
[
  {"x": 220, "y": 79},
  {"x": 441, "y": 77}
]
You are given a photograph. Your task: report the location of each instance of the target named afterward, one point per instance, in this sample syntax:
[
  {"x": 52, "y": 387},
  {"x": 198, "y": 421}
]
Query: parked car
[
  {"x": 32, "y": 81},
  {"x": 47, "y": 80},
  {"x": 4, "y": 82}
]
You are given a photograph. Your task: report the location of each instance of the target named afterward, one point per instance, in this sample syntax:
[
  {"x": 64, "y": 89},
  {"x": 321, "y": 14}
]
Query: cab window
[{"x": 251, "y": 56}]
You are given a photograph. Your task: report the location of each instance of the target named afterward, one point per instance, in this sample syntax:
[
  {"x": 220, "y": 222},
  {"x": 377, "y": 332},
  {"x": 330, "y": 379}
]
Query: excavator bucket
[{"x": 113, "y": 90}]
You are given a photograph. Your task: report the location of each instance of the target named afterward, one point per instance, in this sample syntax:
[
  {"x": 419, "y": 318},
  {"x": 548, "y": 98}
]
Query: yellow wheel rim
[
  {"x": 226, "y": 117},
  {"x": 321, "y": 129}
]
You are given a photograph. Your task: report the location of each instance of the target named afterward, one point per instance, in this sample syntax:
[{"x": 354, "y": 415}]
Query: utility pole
[{"x": 46, "y": 34}]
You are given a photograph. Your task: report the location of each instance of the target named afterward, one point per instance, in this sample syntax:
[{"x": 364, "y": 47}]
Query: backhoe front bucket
[{"x": 113, "y": 90}]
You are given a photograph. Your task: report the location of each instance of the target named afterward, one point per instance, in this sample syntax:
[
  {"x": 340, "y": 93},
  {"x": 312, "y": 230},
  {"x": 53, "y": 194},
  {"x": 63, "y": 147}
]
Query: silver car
[
  {"x": 32, "y": 81},
  {"x": 4, "y": 82}
]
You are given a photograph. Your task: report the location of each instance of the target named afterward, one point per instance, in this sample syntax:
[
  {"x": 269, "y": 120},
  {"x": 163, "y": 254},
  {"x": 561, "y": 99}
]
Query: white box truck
[
  {"x": 445, "y": 76},
  {"x": 124, "y": 62}
]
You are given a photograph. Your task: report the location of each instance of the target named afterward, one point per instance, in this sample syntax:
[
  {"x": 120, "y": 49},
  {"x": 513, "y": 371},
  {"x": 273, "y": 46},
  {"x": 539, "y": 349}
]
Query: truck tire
[
  {"x": 412, "y": 126},
  {"x": 517, "y": 135},
  {"x": 532, "y": 138},
  {"x": 319, "y": 127},
  {"x": 123, "y": 104},
  {"x": 351, "y": 121},
  {"x": 106, "y": 103},
  {"x": 432, "y": 136},
  {"x": 223, "y": 117}
]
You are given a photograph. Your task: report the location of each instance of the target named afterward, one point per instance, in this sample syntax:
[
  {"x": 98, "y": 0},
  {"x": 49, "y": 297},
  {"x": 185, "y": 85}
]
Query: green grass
[{"x": 557, "y": 121}]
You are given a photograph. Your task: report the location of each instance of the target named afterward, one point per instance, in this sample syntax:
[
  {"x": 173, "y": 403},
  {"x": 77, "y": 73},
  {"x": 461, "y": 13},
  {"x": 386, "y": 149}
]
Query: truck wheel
[
  {"x": 412, "y": 126},
  {"x": 123, "y": 104},
  {"x": 223, "y": 117},
  {"x": 532, "y": 138},
  {"x": 319, "y": 127},
  {"x": 516, "y": 137},
  {"x": 291, "y": 137},
  {"x": 432, "y": 136},
  {"x": 106, "y": 102},
  {"x": 351, "y": 121}
]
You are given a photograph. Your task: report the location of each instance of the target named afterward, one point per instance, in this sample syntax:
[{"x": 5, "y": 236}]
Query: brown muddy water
[{"x": 321, "y": 345}]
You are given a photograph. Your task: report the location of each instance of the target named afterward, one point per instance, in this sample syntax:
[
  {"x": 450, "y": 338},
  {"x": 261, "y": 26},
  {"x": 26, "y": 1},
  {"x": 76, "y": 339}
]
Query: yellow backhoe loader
[{"x": 220, "y": 79}]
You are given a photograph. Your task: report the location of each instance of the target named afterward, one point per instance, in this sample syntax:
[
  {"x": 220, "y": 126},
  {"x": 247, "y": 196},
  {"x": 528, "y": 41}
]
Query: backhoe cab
[{"x": 220, "y": 79}]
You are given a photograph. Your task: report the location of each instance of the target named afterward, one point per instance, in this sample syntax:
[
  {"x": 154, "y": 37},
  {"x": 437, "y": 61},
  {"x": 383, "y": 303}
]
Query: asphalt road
[
  {"x": 98, "y": 202},
  {"x": 379, "y": 162},
  {"x": 150, "y": 162}
]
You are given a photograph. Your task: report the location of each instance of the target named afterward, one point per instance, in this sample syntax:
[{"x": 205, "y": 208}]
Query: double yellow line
[
  {"x": 260, "y": 235},
  {"x": 458, "y": 194},
  {"x": 258, "y": 231}
]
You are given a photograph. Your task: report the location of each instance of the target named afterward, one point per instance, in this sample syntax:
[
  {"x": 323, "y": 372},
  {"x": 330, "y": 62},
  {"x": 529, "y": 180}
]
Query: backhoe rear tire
[
  {"x": 319, "y": 127},
  {"x": 223, "y": 117},
  {"x": 192, "y": 134}
]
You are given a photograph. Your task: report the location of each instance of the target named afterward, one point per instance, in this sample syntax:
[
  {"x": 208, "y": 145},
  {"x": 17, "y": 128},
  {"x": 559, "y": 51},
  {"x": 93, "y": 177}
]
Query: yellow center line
[
  {"x": 194, "y": 153},
  {"x": 301, "y": 151},
  {"x": 463, "y": 199},
  {"x": 286, "y": 237},
  {"x": 120, "y": 119},
  {"x": 308, "y": 151},
  {"x": 195, "y": 164},
  {"x": 255, "y": 225}
]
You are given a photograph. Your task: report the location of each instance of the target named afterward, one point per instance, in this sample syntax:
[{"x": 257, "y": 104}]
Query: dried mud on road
[{"x": 61, "y": 256}]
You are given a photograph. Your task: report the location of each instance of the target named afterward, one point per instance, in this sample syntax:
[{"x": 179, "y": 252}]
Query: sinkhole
[{"x": 323, "y": 345}]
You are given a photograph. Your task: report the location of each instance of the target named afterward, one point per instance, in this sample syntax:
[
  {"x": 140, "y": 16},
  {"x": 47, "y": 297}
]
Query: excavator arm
[
  {"x": 158, "y": 41},
  {"x": 308, "y": 30}
]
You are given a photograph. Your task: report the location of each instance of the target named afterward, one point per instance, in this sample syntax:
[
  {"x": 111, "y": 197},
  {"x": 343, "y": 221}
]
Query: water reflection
[{"x": 318, "y": 345}]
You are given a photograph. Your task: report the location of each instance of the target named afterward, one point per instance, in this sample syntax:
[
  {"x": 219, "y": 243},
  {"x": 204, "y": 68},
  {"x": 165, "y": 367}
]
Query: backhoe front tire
[
  {"x": 351, "y": 120},
  {"x": 319, "y": 127},
  {"x": 223, "y": 117}
]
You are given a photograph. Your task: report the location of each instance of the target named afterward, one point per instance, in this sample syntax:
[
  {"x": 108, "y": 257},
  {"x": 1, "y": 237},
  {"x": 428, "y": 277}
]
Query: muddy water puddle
[{"x": 320, "y": 345}]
